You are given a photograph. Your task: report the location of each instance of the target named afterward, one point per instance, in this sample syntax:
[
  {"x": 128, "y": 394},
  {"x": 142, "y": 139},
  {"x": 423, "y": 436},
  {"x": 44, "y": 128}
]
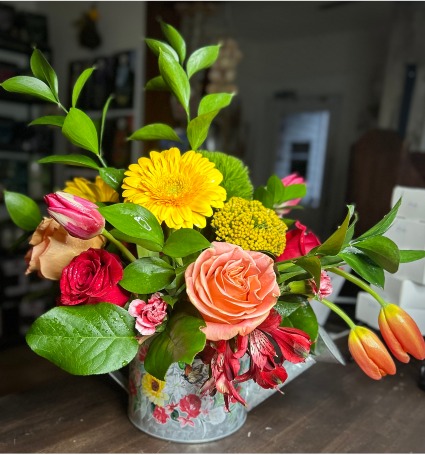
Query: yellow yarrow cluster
[{"x": 250, "y": 225}]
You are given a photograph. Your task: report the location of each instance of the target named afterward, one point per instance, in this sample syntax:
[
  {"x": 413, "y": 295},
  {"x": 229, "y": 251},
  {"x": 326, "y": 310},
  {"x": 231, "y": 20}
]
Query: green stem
[
  {"x": 102, "y": 161},
  {"x": 62, "y": 107},
  {"x": 361, "y": 284},
  {"x": 336, "y": 309},
  {"x": 119, "y": 245}
]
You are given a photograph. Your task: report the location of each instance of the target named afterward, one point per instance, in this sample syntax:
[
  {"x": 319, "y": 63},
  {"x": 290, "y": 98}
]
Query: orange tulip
[
  {"x": 370, "y": 353},
  {"x": 401, "y": 333}
]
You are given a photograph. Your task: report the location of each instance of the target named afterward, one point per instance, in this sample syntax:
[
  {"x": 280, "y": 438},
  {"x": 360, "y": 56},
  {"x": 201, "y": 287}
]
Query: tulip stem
[
  {"x": 361, "y": 284},
  {"x": 119, "y": 245},
  {"x": 336, "y": 309}
]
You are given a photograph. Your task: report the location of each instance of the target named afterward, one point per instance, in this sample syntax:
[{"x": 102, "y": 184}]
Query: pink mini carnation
[
  {"x": 148, "y": 315},
  {"x": 325, "y": 286}
]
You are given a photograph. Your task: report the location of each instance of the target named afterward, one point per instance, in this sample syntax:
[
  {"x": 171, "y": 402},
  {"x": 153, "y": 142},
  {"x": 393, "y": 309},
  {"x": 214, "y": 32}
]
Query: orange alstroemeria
[
  {"x": 370, "y": 353},
  {"x": 401, "y": 333}
]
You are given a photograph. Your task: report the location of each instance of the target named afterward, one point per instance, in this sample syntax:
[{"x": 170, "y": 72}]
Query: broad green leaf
[
  {"x": 382, "y": 226},
  {"x": 175, "y": 77},
  {"x": 201, "y": 59},
  {"x": 42, "y": 70},
  {"x": 102, "y": 122},
  {"x": 112, "y": 177},
  {"x": 157, "y": 83},
  {"x": 304, "y": 319},
  {"x": 85, "y": 339},
  {"x": 382, "y": 251},
  {"x": 71, "y": 160},
  {"x": 350, "y": 231},
  {"x": 181, "y": 340},
  {"x": 197, "y": 130},
  {"x": 54, "y": 120},
  {"x": 147, "y": 275},
  {"x": 183, "y": 242},
  {"x": 135, "y": 221},
  {"x": 157, "y": 47},
  {"x": 80, "y": 130},
  {"x": 178, "y": 284},
  {"x": 175, "y": 39},
  {"x": 214, "y": 102},
  {"x": 411, "y": 255},
  {"x": 28, "y": 85},
  {"x": 155, "y": 131},
  {"x": 79, "y": 84},
  {"x": 23, "y": 211},
  {"x": 276, "y": 188},
  {"x": 295, "y": 191},
  {"x": 313, "y": 266},
  {"x": 285, "y": 308},
  {"x": 334, "y": 243},
  {"x": 264, "y": 196},
  {"x": 364, "y": 267}
]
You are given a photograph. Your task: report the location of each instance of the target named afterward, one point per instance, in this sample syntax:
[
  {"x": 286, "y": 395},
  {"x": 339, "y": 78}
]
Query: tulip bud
[
  {"x": 401, "y": 333},
  {"x": 370, "y": 353},
  {"x": 78, "y": 216}
]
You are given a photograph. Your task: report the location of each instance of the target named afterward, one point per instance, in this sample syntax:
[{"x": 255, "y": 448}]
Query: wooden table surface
[{"x": 329, "y": 408}]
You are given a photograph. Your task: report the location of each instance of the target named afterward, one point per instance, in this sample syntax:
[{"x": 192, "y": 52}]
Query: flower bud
[
  {"x": 401, "y": 333},
  {"x": 78, "y": 216},
  {"x": 370, "y": 353}
]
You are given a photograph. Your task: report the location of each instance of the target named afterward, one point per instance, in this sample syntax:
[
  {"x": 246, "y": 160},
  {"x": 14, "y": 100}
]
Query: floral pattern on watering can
[{"x": 175, "y": 410}]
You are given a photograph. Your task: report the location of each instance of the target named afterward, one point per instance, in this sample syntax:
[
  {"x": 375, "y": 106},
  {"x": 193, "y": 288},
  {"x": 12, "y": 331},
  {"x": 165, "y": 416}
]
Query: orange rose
[
  {"x": 53, "y": 248},
  {"x": 233, "y": 289}
]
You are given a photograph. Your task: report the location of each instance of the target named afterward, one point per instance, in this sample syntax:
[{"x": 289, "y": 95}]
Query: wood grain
[{"x": 328, "y": 409}]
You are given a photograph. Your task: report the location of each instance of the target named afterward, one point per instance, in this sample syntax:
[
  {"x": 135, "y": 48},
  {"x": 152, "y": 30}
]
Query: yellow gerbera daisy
[
  {"x": 98, "y": 191},
  {"x": 178, "y": 189},
  {"x": 154, "y": 389}
]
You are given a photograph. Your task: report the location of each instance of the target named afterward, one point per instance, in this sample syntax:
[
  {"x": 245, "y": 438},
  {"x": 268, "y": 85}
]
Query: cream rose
[
  {"x": 233, "y": 289},
  {"x": 53, "y": 248}
]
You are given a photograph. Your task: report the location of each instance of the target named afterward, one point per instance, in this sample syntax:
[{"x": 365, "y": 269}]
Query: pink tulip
[{"x": 78, "y": 216}]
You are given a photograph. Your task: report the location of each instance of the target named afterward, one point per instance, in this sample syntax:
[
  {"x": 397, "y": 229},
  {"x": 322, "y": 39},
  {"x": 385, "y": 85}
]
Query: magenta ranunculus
[
  {"x": 92, "y": 277},
  {"x": 148, "y": 315},
  {"x": 298, "y": 242}
]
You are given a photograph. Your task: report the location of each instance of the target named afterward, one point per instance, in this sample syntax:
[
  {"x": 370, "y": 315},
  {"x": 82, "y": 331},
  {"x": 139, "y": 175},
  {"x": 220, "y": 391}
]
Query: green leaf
[
  {"x": 155, "y": 131},
  {"x": 264, "y": 196},
  {"x": 365, "y": 267},
  {"x": 80, "y": 130},
  {"x": 286, "y": 307},
  {"x": 157, "y": 47},
  {"x": 71, "y": 160},
  {"x": 183, "y": 242},
  {"x": 382, "y": 251},
  {"x": 382, "y": 226},
  {"x": 197, "y": 130},
  {"x": 175, "y": 39},
  {"x": 276, "y": 188},
  {"x": 86, "y": 339},
  {"x": 54, "y": 120},
  {"x": 135, "y": 221},
  {"x": 147, "y": 275},
  {"x": 28, "y": 85},
  {"x": 102, "y": 122},
  {"x": 23, "y": 211},
  {"x": 201, "y": 59},
  {"x": 334, "y": 243},
  {"x": 112, "y": 177},
  {"x": 295, "y": 191},
  {"x": 157, "y": 83},
  {"x": 313, "y": 266},
  {"x": 176, "y": 79},
  {"x": 411, "y": 255},
  {"x": 181, "y": 340},
  {"x": 79, "y": 84},
  {"x": 350, "y": 231},
  {"x": 42, "y": 70},
  {"x": 214, "y": 102},
  {"x": 304, "y": 319}
]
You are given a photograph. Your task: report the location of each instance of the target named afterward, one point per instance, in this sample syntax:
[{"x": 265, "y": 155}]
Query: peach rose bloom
[
  {"x": 233, "y": 289},
  {"x": 53, "y": 248}
]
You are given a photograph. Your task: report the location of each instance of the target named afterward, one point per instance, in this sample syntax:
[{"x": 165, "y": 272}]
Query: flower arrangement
[{"x": 180, "y": 254}]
